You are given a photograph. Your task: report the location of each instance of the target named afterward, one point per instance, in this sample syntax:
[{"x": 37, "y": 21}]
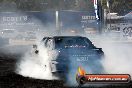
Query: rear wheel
[{"x": 81, "y": 80}]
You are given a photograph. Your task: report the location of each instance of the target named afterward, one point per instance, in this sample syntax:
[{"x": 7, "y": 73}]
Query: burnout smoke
[
  {"x": 118, "y": 57},
  {"x": 36, "y": 66}
]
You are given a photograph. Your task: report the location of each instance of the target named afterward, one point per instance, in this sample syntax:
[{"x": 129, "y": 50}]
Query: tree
[{"x": 121, "y": 7}]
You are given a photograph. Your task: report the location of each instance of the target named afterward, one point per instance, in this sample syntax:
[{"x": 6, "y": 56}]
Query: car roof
[{"x": 65, "y": 37}]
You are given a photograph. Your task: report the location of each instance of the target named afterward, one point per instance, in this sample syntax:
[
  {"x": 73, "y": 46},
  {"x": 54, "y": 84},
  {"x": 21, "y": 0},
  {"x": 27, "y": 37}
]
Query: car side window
[
  {"x": 59, "y": 43},
  {"x": 69, "y": 41}
]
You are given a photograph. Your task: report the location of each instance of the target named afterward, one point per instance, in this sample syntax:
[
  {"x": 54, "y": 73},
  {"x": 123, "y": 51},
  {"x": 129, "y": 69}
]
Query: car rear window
[{"x": 71, "y": 42}]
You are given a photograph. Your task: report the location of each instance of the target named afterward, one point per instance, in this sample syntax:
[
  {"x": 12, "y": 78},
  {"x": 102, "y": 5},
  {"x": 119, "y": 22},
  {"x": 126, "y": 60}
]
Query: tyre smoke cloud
[
  {"x": 118, "y": 57},
  {"x": 36, "y": 65},
  {"x": 29, "y": 64}
]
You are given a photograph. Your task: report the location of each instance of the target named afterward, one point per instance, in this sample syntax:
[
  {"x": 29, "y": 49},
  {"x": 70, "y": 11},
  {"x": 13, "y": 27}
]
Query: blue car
[{"x": 72, "y": 52}]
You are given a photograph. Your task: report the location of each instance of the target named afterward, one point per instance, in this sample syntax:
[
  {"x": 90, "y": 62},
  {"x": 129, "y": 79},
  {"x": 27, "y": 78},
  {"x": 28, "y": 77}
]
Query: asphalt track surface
[{"x": 9, "y": 79}]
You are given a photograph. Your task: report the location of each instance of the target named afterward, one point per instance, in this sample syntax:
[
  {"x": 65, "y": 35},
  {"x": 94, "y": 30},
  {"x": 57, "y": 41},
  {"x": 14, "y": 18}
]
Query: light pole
[
  {"x": 57, "y": 22},
  {"x": 108, "y": 5}
]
